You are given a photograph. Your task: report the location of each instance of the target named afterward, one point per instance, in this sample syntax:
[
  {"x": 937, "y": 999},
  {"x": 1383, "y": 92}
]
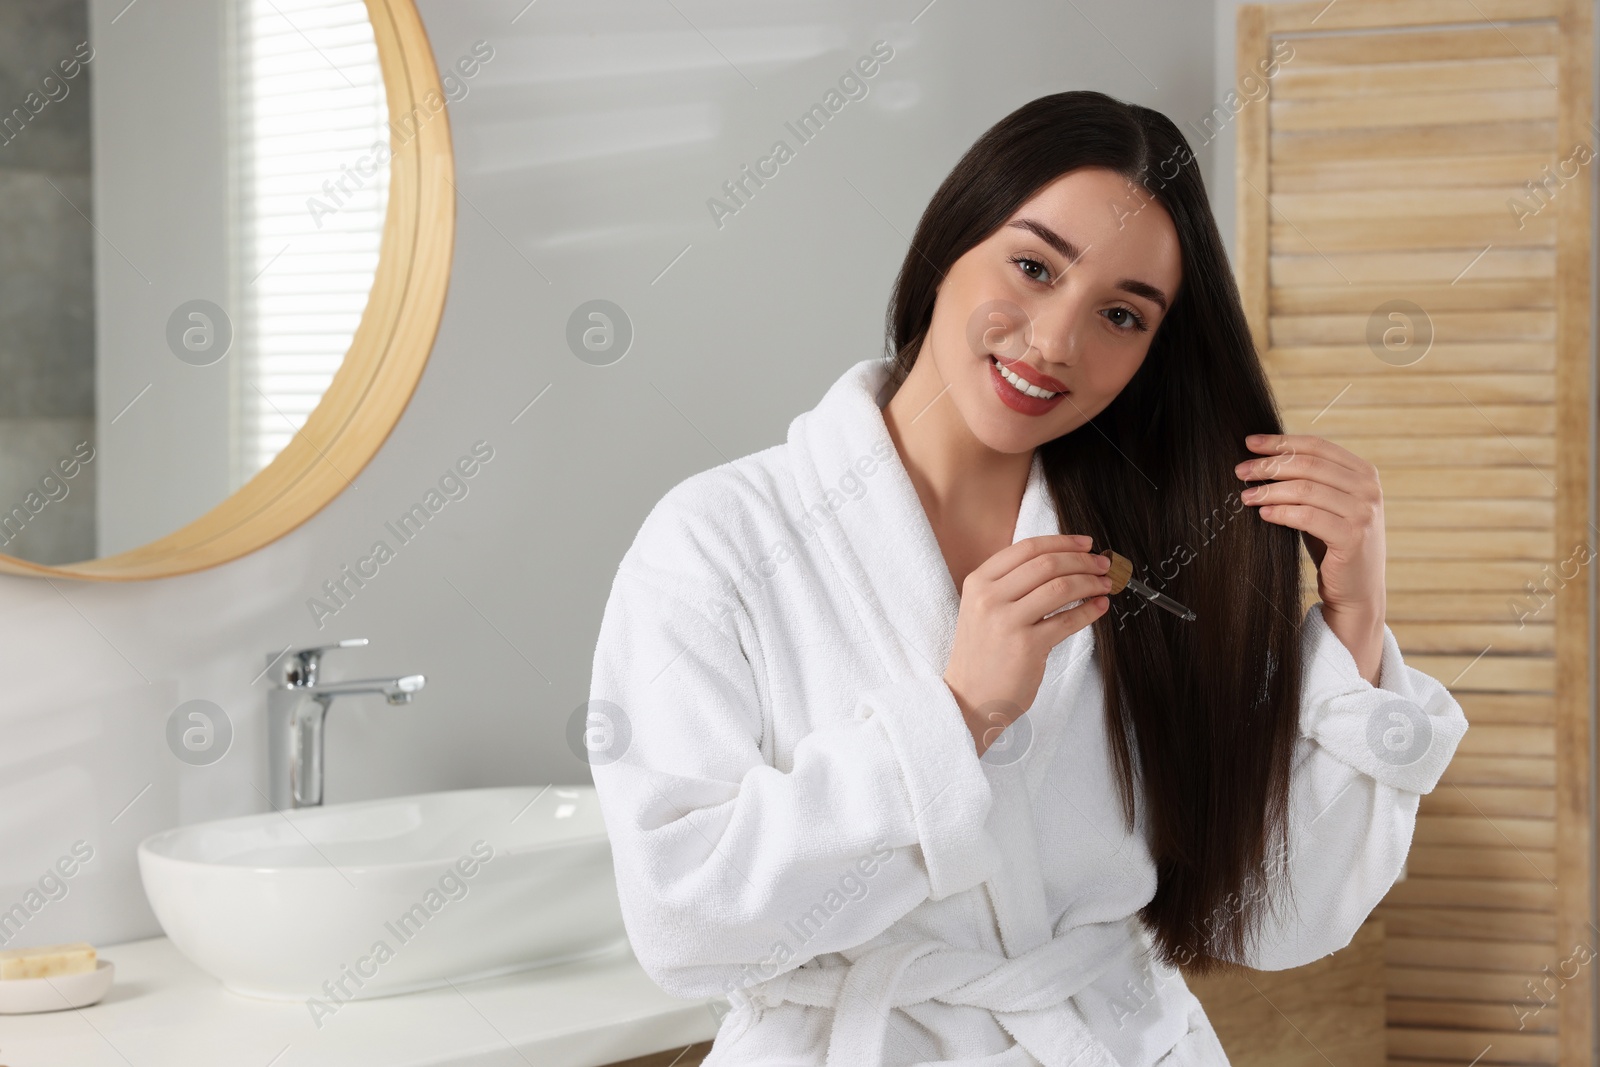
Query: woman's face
[{"x": 1066, "y": 294}]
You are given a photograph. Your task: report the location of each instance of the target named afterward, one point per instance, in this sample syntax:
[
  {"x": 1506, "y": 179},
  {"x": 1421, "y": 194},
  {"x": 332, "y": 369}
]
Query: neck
[{"x": 960, "y": 479}]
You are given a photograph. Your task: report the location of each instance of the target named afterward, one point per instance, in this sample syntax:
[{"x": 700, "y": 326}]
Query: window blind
[{"x": 313, "y": 190}]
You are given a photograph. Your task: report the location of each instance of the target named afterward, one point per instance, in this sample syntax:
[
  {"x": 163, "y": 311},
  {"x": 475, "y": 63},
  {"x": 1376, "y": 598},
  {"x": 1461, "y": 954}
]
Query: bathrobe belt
[{"x": 1028, "y": 994}]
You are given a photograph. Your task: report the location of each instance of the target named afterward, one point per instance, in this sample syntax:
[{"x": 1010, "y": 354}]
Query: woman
[{"x": 884, "y": 764}]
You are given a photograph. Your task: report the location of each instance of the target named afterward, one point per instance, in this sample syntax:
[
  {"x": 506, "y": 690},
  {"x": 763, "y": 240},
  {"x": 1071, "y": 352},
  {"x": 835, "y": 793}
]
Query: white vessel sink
[{"x": 350, "y": 901}]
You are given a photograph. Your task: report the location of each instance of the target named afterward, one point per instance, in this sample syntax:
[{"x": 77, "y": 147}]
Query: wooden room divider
[{"x": 1414, "y": 250}]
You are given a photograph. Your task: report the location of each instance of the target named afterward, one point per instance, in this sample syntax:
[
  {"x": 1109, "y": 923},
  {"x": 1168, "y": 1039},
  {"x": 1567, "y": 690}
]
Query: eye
[
  {"x": 1131, "y": 322},
  {"x": 1137, "y": 320},
  {"x": 1024, "y": 262}
]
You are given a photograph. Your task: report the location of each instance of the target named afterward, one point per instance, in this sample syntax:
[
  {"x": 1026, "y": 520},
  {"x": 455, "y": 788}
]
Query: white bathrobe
[{"x": 800, "y": 821}]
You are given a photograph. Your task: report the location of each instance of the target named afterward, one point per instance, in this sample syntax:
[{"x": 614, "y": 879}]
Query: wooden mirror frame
[{"x": 390, "y": 347}]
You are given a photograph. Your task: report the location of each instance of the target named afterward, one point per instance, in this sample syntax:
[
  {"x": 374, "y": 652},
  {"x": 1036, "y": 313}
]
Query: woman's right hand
[{"x": 1002, "y": 637}]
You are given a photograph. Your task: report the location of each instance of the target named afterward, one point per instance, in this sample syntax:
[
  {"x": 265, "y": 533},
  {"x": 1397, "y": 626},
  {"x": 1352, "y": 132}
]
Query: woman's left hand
[{"x": 1332, "y": 496}]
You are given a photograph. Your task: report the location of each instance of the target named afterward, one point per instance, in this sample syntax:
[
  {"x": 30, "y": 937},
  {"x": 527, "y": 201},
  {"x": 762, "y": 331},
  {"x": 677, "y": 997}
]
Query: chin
[{"x": 1003, "y": 434}]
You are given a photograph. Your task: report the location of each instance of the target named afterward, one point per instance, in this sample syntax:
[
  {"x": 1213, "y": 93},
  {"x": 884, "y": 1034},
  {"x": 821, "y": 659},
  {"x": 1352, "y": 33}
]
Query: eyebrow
[{"x": 1071, "y": 252}]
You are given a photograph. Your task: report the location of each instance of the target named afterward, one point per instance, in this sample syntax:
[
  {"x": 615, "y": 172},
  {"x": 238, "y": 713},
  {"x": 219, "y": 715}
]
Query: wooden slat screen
[{"x": 1386, "y": 166}]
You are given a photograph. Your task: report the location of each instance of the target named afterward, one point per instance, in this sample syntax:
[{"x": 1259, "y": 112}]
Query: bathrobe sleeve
[
  {"x": 1364, "y": 757},
  {"x": 730, "y": 871}
]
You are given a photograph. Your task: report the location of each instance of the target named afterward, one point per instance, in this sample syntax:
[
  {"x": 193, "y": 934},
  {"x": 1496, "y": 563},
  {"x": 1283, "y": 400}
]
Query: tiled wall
[{"x": 46, "y": 284}]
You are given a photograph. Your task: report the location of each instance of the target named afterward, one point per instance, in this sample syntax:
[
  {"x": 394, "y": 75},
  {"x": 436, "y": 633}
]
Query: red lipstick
[
  {"x": 1035, "y": 377},
  {"x": 1014, "y": 398}
]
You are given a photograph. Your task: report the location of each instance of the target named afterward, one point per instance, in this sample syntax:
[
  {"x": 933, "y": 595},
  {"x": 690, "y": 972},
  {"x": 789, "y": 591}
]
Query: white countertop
[{"x": 163, "y": 1011}]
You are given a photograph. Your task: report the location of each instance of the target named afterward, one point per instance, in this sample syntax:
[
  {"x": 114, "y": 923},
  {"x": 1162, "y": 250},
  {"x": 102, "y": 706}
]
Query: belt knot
[{"x": 1028, "y": 994}]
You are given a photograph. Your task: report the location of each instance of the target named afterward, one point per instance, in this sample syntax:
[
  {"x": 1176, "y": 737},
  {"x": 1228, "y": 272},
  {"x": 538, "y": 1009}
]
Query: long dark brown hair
[{"x": 1203, "y": 714}]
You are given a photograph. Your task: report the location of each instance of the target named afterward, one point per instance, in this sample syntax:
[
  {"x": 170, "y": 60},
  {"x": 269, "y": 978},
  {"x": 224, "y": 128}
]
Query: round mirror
[{"x": 228, "y": 228}]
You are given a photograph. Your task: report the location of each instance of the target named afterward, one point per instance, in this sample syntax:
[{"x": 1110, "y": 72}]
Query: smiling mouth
[{"x": 1021, "y": 384}]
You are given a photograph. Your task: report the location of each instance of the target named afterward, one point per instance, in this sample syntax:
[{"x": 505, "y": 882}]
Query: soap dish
[{"x": 21, "y": 996}]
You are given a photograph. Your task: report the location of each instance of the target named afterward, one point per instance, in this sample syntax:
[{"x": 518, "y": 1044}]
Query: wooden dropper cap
[{"x": 1121, "y": 570}]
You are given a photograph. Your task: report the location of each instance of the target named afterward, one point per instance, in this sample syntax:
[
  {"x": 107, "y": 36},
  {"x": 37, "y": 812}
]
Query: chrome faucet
[{"x": 296, "y": 709}]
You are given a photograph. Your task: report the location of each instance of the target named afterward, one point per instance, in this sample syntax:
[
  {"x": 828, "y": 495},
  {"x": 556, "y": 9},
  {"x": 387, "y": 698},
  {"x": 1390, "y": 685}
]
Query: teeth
[{"x": 1021, "y": 384}]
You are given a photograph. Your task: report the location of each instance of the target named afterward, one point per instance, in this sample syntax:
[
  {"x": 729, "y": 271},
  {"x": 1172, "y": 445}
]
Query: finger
[
  {"x": 1007, "y": 559},
  {"x": 1333, "y": 530},
  {"x": 1033, "y": 573},
  {"x": 1063, "y": 624},
  {"x": 1303, "y": 491},
  {"x": 1057, "y": 592},
  {"x": 1284, "y": 466},
  {"x": 1308, "y": 445}
]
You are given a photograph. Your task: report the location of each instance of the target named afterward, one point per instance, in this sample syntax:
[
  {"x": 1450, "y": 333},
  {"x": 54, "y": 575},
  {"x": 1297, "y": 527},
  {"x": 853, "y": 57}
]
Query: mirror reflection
[{"x": 191, "y": 223}]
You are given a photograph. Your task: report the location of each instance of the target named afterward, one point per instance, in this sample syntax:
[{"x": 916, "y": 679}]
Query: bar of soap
[{"x": 47, "y": 961}]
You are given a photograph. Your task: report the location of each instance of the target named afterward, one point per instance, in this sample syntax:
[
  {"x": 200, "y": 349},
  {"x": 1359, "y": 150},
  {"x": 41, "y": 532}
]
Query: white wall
[{"x": 586, "y": 150}]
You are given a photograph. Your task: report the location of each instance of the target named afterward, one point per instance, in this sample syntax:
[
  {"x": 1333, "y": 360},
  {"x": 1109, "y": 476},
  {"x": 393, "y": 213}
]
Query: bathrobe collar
[{"x": 879, "y": 536}]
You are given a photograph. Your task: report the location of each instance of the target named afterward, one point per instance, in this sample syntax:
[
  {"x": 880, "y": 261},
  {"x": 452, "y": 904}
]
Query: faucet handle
[{"x": 303, "y": 662}]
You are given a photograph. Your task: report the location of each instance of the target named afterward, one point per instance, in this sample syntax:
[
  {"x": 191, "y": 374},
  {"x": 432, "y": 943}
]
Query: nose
[{"x": 1058, "y": 328}]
